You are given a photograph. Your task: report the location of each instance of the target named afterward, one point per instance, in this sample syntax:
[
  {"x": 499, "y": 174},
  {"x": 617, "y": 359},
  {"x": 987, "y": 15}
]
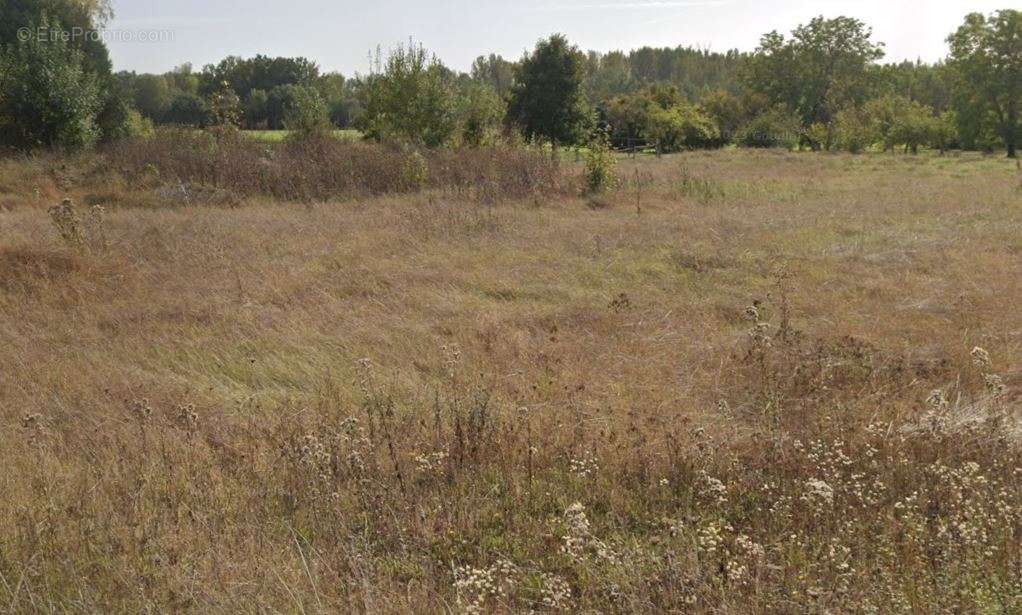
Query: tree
[
  {"x": 496, "y": 72},
  {"x": 986, "y": 59},
  {"x": 774, "y": 127},
  {"x": 306, "y": 116},
  {"x": 411, "y": 99},
  {"x": 548, "y": 100},
  {"x": 820, "y": 70},
  {"x": 152, "y": 96},
  {"x": 681, "y": 126},
  {"x": 187, "y": 110},
  {"x": 480, "y": 113},
  {"x": 81, "y": 65},
  {"x": 726, "y": 110},
  {"x": 47, "y": 96}
]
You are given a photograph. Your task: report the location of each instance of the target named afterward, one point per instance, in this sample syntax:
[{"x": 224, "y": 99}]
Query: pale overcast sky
[{"x": 338, "y": 34}]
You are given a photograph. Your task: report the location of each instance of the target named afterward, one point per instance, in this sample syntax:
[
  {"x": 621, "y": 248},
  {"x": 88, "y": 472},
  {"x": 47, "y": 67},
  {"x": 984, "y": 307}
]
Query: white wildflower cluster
[
  {"x": 313, "y": 456},
  {"x": 839, "y": 559},
  {"x": 556, "y": 593},
  {"x": 713, "y": 489},
  {"x": 431, "y": 463},
  {"x": 976, "y": 511},
  {"x": 732, "y": 553},
  {"x": 585, "y": 466},
  {"x": 980, "y": 358},
  {"x": 818, "y": 495},
  {"x": 477, "y": 588},
  {"x": 711, "y": 537},
  {"x": 579, "y": 539}
]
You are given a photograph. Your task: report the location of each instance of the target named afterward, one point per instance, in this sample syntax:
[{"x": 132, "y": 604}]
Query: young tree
[
  {"x": 411, "y": 99},
  {"x": 47, "y": 97},
  {"x": 548, "y": 100},
  {"x": 306, "y": 115},
  {"x": 986, "y": 59},
  {"x": 480, "y": 112},
  {"x": 494, "y": 71},
  {"x": 820, "y": 70}
]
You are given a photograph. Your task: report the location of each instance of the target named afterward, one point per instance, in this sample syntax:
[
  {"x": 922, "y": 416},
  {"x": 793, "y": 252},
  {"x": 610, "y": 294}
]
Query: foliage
[
  {"x": 480, "y": 113},
  {"x": 775, "y": 127},
  {"x": 411, "y": 99},
  {"x": 986, "y": 61},
  {"x": 496, "y": 72},
  {"x": 725, "y": 110},
  {"x": 599, "y": 169},
  {"x": 187, "y": 110},
  {"x": 680, "y": 126},
  {"x": 548, "y": 101},
  {"x": 47, "y": 96},
  {"x": 306, "y": 114},
  {"x": 854, "y": 130},
  {"x": 821, "y": 69},
  {"x": 225, "y": 107}
]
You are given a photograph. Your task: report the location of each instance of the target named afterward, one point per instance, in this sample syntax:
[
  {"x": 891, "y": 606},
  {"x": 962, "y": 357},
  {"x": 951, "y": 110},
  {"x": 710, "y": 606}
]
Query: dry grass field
[{"x": 740, "y": 382}]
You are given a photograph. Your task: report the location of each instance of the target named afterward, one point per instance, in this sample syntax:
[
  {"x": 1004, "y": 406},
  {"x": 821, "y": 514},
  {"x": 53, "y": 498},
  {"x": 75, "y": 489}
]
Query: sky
[{"x": 157, "y": 35}]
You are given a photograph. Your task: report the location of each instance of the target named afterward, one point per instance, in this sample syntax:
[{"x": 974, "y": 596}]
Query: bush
[
  {"x": 187, "y": 110},
  {"x": 410, "y": 100},
  {"x": 321, "y": 169},
  {"x": 306, "y": 114},
  {"x": 682, "y": 126},
  {"x": 48, "y": 98},
  {"x": 599, "y": 171},
  {"x": 854, "y": 130},
  {"x": 480, "y": 115},
  {"x": 776, "y": 127}
]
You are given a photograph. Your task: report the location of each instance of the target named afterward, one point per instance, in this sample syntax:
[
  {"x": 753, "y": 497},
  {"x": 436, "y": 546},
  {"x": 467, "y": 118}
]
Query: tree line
[{"x": 823, "y": 86}]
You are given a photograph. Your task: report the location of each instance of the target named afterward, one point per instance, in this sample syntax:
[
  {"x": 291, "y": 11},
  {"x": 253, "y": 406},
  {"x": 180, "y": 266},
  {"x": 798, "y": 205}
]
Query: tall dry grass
[{"x": 784, "y": 383}]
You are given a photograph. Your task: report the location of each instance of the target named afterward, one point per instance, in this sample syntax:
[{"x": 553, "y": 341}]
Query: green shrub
[
  {"x": 306, "y": 116},
  {"x": 599, "y": 170},
  {"x": 48, "y": 98},
  {"x": 410, "y": 100},
  {"x": 776, "y": 127},
  {"x": 678, "y": 127}
]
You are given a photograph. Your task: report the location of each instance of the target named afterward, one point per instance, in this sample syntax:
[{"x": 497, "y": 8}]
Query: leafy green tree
[
  {"x": 945, "y": 133},
  {"x": 152, "y": 96},
  {"x": 821, "y": 69},
  {"x": 48, "y": 97},
  {"x": 187, "y": 109},
  {"x": 726, "y": 110},
  {"x": 411, "y": 99},
  {"x": 774, "y": 127},
  {"x": 854, "y": 130},
  {"x": 70, "y": 25},
  {"x": 306, "y": 115},
  {"x": 496, "y": 72},
  {"x": 255, "y": 109},
  {"x": 986, "y": 59},
  {"x": 480, "y": 113},
  {"x": 225, "y": 107},
  {"x": 548, "y": 100},
  {"x": 914, "y": 126},
  {"x": 681, "y": 126}
]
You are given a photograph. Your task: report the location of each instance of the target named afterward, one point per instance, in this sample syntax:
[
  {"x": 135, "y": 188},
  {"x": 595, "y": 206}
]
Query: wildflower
[{"x": 980, "y": 358}]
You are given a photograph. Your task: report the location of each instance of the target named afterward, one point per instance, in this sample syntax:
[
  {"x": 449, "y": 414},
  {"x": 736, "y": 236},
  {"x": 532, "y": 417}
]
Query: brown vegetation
[{"x": 748, "y": 382}]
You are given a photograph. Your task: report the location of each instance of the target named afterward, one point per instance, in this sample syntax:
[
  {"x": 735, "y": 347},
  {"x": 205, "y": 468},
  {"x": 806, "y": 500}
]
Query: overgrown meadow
[{"x": 342, "y": 377}]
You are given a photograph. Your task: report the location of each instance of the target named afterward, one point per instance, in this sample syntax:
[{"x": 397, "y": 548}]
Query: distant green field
[{"x": 275, "y": 136}]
